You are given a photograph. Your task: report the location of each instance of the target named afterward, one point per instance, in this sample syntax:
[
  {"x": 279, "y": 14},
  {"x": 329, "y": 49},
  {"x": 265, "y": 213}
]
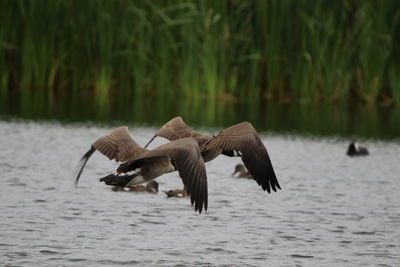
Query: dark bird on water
[
  {"x": 139, "y": 165},
  {"x": 240, "y": 140},
  {"x": 241, "y": 171},
  {"x": 150, "y": 187},
  {"x": 355, "y": 150}
]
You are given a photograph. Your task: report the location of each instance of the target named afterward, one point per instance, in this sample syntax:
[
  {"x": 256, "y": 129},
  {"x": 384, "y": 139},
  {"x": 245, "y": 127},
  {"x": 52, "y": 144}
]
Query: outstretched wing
[
  {"x": 186, "y": 156},
  {"x": 118, "y": 145},
  {"x": 176, "y": 129},
  {"x": 244, "y": 138}
]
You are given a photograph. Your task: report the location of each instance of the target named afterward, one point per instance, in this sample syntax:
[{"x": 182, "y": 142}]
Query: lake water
[
  {"x": 346, "y": 119},
  {"x": 333, "y": 210}
]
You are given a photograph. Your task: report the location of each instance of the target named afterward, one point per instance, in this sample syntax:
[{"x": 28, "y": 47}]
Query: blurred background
[{"x": 312, "y": 67}]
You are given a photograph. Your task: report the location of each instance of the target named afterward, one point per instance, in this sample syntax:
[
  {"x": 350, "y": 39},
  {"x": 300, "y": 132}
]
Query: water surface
[
  {"x": 346, "y": 119},
  {"x": 333, "y": 210}
]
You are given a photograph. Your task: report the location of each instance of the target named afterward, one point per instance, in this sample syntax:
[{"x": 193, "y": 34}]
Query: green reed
[{"x": 285, "y": 50}]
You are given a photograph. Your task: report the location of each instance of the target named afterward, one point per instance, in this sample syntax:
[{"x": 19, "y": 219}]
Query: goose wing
[
  {"x": 118, "y": 145},
  {"x": 175, "y": 129},
  {"x": 244, "y": 138},
  {"x": 185, "y": 155}
]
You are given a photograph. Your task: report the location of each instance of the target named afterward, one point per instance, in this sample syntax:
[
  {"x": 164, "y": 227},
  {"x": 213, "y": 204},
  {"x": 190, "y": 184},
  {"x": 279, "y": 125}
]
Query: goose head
[
  {"x": 239, "y": 168},
  {"x": 152, "y": 187}
]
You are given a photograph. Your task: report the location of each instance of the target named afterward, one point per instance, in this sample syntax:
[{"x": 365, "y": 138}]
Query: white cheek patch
[
  {"x": 356, "y": 147},
  {"x": 130, "y": 173}
]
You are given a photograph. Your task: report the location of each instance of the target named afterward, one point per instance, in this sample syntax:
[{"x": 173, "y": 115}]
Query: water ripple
[{"x": 332, "y": 211}]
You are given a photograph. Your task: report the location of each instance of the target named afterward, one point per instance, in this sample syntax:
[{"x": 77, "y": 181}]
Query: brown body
[
  {"x": 151, "y": 187},
  {"x": 177, "y": 193}
]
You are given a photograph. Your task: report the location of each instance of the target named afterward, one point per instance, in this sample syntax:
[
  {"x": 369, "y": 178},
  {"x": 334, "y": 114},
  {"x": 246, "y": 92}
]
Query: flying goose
[
  {"x": 151, "y": 187},
  {"x": 140, "y": 165},
  {"x": 355, "y": 150},
  {"x": 238, "y": 140},
  {"x": 242, "y": 172}
]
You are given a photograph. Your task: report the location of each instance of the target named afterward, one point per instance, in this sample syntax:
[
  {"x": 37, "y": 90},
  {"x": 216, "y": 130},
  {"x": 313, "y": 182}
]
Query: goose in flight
[
  {"x": 139, "y": 165},
  {"x": 238, "y": 140}
]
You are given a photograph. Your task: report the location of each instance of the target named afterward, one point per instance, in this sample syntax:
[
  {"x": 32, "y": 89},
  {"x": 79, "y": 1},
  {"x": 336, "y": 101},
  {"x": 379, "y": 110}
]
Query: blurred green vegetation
[{"x": 285, "y": 50}]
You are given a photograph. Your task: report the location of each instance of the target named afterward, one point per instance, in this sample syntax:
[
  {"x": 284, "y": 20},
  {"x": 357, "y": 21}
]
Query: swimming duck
[
  {"x": 239, "y": 140},
  {"x": 140, "y": 165},
  {"x": 177, "y": 193},
  {"x": 151, "y": 187},
  {"x": 355, "y": 150},
  {"x": 243, "y": 173}
]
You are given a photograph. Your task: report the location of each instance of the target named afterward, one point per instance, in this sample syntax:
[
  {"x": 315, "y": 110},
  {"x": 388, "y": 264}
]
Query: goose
[
  {"x": 151, "y": 187},
  {"x": 239, "y": 140},
  {"x": 355, "y": 150},
  {"x": 243, "y": 173},
  {"x": 177, "y": 193},
  {"x": 140, "y": 165}
]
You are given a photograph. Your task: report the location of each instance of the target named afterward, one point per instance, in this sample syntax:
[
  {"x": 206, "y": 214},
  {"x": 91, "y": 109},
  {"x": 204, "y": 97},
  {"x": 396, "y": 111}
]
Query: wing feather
[
  {"x": 118, "y": 145},
  {"x": 186, "y": 154},
  {"x": 244, "y": 138},
  {"x": 176, "y": 129}
]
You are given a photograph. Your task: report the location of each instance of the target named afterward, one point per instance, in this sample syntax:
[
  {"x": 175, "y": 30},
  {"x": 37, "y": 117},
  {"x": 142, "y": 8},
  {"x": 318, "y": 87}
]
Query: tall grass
[{"x": 287, "y": 50}]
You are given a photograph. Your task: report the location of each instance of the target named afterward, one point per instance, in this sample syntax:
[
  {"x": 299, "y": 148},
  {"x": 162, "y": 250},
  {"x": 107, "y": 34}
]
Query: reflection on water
[
  {"x": 327, "y": 119},
  {"x": 333, "y": 210}
]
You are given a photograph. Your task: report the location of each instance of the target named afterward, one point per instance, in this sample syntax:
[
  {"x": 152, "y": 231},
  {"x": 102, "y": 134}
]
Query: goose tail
[{"x": 117, "y": 180}]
